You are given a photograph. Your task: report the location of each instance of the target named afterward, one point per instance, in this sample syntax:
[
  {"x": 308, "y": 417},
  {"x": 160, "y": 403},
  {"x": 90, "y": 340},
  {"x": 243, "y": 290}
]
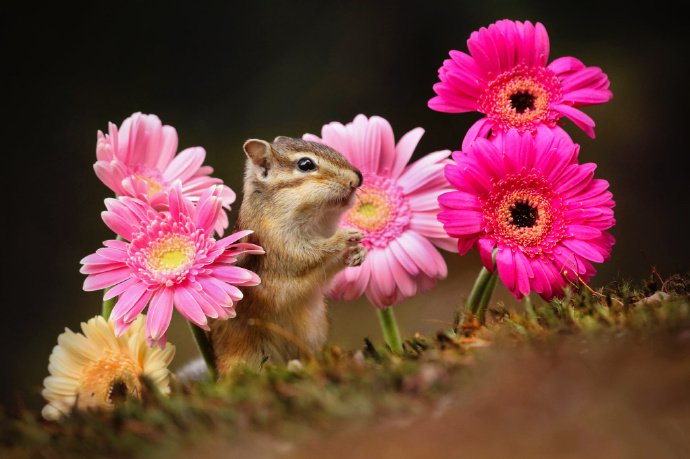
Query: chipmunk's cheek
[{"x": 351, "y": 200}]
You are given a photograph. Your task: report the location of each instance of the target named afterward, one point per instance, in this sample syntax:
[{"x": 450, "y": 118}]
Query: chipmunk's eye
[{"x": 306, "y": 164}]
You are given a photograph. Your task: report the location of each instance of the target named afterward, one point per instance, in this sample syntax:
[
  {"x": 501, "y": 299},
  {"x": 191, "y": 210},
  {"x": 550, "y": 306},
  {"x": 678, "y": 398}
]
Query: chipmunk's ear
[{"x": 260, "y": 154}]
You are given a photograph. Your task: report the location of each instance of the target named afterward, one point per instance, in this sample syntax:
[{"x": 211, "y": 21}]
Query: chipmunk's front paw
[
  {"x": 354, "y": 252},
  {"x": 355, "y": 255},
  {"x": 352, "y": 236}
]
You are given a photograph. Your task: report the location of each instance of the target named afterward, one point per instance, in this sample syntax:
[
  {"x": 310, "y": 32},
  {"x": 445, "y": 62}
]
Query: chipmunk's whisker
[{"x": 359, "y": 198}]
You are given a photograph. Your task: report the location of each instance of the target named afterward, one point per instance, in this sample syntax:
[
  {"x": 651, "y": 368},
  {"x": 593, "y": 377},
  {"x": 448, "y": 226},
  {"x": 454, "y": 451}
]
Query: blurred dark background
[{"x": 225, "y": 73}]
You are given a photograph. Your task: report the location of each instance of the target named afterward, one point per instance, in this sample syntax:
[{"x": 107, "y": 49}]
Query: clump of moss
[
  {"x": 341, "y": 387},
  {"x": 619, "y": 310}
]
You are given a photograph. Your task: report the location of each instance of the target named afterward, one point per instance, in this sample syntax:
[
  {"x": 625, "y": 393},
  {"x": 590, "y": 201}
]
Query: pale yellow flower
[{"x": 88, "y": 370}]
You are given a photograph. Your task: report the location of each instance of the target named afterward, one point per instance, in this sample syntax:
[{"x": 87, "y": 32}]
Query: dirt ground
[{"x": 622, "y": 400}]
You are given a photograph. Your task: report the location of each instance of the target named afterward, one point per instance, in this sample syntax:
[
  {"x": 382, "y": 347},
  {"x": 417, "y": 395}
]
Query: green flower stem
[
  {"x": 529, "y": 309},
  {"x": 486, "y": 297},
  {"x": 527, "y": 301},
  {"x": 483, "y": 288},
  {"x": 391, "y": 333},
  {"x": 475, "y": 298},
  {"x": 205, "y": 349},
  {"x": 108, "y": 306}
]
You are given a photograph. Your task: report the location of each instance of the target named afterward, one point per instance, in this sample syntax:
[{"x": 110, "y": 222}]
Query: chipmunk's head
[{"x": 305, "y": 181}]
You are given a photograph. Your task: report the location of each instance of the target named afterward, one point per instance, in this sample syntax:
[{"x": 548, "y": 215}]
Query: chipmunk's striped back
[{"x": 295, "y": 192}]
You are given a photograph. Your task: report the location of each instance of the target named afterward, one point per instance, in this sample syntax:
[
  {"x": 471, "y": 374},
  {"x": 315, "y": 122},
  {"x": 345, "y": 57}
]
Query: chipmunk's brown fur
[{"x": 294, "y": 215}]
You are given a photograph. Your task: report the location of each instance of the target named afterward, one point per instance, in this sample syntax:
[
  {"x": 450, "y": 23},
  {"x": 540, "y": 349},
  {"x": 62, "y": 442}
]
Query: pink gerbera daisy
[
  {"x": 506, "y": 78},
  {"x": 527, "y": 197},
  {"x": 138, "y": 160},
  {"x": 169, "y": 258},
  {"x": 396, "y": 211}
]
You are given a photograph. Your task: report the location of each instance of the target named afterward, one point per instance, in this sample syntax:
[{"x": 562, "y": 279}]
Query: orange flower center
[
  {"x": 113, "y": 377},
  {"x": 522, "y": 211},
  {"x": 520, "y": 98},
  {"x": 524, "y": 216}
]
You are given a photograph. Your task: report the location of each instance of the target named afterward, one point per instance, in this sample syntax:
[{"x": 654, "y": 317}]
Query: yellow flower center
[
  {"x": 153, "y": 186},
  {"x": 169, "y": 254},
  {"x": 104, "y": 381},
  {"x": 381, "y": 211},
  {"x": 172, "y": 259},
  {"x": 371, "y": 211}
]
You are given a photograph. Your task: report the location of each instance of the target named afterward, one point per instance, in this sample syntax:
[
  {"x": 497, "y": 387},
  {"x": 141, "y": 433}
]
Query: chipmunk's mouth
[
  {"x": 351, "y": 199},
  {"x": 344, "y": 202}
]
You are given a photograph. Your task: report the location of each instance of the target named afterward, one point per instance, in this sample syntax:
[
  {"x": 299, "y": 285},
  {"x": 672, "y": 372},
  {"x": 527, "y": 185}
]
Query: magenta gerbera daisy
[
  {"x": 169, "y": 258},
  {"x": 139, "y": 160},
  {"x": 527, "y": 197},
  {"x": 396, "y": 211},
  {"x": 506, "y": 77}
]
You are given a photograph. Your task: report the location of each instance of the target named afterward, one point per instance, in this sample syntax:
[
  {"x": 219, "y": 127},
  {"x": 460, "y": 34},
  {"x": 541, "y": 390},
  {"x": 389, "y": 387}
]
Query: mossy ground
[{"x": 602, "y": 374}]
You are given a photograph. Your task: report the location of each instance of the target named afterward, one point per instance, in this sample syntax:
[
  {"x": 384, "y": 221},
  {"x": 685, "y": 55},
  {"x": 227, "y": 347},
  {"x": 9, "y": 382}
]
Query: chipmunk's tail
[{"x": 192, "y": 371}]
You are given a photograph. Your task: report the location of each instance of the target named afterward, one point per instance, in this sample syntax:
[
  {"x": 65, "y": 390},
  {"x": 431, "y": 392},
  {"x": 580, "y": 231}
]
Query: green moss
[{"x": 358, "y": 386}]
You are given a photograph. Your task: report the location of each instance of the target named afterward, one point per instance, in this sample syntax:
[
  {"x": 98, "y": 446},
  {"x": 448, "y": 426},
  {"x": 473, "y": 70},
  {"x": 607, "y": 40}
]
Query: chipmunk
[{"x": 295, "y": 193}]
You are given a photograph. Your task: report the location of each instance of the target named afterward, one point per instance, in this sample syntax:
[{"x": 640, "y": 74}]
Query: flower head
[
  {"x": 138, "y": 160},
  {"x": 169, "y": 258},
  {"x": 90, "y": 369},
  {"x": 527, "y": 197},
  {"x": 506, "y": 77},
  {"x": 395, "y": 210}
]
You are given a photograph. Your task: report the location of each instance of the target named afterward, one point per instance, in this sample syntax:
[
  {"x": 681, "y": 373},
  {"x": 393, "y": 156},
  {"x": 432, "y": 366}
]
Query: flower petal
[
  {"x": 189, "y": 308},
  {"x": 580, "y": 119},
  {"x": 105, "y": 279},
  {"x": 159, "y": 314},
  {"x": 404, "y": 150},
  {"x": 185, "y": 164}
]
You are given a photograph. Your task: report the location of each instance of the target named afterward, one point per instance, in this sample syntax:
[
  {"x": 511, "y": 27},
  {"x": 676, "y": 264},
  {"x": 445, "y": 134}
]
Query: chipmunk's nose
[{"x": 359, "y": 176}]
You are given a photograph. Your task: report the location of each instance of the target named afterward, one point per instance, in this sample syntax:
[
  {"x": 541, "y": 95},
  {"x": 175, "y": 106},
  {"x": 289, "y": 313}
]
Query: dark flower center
[
  {"x": 118, "y": 392},
  {"x": 522, "y": 101},
  {"x": 523, "y": 215}
]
